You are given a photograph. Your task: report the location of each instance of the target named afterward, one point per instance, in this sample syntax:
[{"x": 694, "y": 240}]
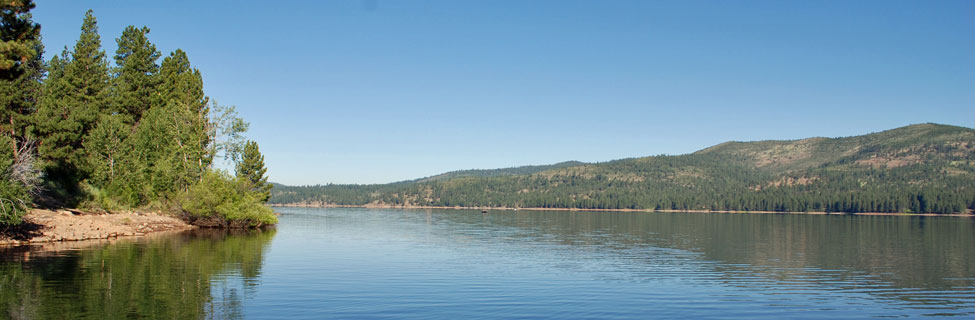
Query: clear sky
[{"x": 381, "y": 91}]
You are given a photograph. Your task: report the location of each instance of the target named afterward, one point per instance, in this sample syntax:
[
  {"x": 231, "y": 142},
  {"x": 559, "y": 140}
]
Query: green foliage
[
  {"x": 97, "y": 199},
  {"x": 135, "y": 79},
  {"x": 140, "y": 135},
  {"x": 923, "y": 169},
  {"x": 14, "y": 198},
  {"x": 104, "y": 148},
  {"x": 181, "y": 82},
  {"x": 250, "y": 170},
  {"x": 14, "y": 202},
  {"x": 18, "y": 96},
  {"x": 166, "y": 151},
  {"x": 219, "y": 200},
  {"x": 227, "y": 131},
  {"x": 499, "y": 172},
  {"x": 74, "y": 96},
  {"x": 21, "y": 69},
  {"x": 18, "y": 36}
]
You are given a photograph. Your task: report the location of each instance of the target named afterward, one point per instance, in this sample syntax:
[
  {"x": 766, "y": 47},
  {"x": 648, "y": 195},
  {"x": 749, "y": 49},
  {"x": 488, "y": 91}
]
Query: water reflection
[
  {"x": 914, "y": 260},
  {"x": 901, "y": 265},
  {"x": 169, "y": 276},
  {"x": 422, "y": 264}
]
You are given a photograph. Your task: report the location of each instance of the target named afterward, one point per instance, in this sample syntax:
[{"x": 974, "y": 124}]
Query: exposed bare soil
[{"x": 73, "y": 225}]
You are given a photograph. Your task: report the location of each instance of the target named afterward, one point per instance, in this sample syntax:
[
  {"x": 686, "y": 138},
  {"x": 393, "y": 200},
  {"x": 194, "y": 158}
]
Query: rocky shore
[{"x": 72, "y": 225}]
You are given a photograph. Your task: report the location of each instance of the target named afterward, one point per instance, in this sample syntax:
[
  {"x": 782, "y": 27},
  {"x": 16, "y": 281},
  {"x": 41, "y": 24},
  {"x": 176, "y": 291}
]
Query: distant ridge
[
  {"x": 484, "y": 173},
  {"x": 921, "y": 168}
]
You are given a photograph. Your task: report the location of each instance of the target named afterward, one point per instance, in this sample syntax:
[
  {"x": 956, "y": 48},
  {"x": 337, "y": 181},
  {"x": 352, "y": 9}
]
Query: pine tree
[
  {"x": 179, "y": 81},
  {"x": 182, "y": 84},
  {"x": 251, "y": 170},
  {"x": 17, "y": 36},
  {"x": 169, "y": 148},
  {"x": 73, "y": 97},
  {"x": 87, "y": 73},
  {"x": 21, "y": 69},
  {"x": 136, "y": 71}
]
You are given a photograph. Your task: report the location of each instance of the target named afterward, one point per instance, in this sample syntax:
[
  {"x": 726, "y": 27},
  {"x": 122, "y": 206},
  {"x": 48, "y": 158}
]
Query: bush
[
  {"x": 14, "y": 202},
  {"x": 15, "y": 198},
  {"x": 99, "y": 200},
  {"x": 222, "y": 201}
]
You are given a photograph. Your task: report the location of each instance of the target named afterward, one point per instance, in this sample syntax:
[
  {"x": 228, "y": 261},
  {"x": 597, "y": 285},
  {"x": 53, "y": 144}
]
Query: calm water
[{"x": 422, "y": 264}]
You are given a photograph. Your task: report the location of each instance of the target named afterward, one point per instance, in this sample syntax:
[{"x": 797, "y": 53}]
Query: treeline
[
  {"x": 939, "y": 178},
  {"x": 522, "y": 170},
  {"x": 78, "y": 130}
]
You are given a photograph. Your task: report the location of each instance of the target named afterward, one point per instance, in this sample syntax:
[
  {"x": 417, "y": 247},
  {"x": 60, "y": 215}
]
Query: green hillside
[
  {"x": 498, "y": 172},
  {"x": 917, "y": 168}
]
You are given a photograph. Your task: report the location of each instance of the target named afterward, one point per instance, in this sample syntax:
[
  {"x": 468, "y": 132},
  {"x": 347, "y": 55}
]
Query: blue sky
[{"x": 382, "y": 91}]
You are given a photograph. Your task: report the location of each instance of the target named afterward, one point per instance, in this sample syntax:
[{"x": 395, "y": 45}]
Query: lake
[{"x": 450, "y": 264}]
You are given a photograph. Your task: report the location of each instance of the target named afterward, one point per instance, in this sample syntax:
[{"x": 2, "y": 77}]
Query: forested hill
[
  {"x": 918, "y": 168},
  {"x": 498, "y": 172}
]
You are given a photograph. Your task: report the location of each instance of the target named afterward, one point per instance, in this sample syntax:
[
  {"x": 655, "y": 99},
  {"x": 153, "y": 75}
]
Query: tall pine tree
[
  {"x": 135, "y": 73},
  {"x": 74, "y": 96},
  {"x": 168, "y": 150},
  {"x": 181, "y": 90},
  {"x": 179, "y": 81},
  {"x": 21, "y": 69}
]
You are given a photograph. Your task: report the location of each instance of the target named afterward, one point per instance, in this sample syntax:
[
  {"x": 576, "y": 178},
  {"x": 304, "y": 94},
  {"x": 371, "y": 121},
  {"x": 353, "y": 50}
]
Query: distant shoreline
[{"x": 376, "y": 206}]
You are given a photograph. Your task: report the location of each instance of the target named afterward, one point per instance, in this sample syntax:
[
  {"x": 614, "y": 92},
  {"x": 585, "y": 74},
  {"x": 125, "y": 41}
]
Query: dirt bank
[{"x": 63, "y": 225}]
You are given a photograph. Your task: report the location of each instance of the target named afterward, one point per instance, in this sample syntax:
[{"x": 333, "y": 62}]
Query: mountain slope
[
  {"x": 917, "y": 168},
  {"x": 498, "y": 172}
]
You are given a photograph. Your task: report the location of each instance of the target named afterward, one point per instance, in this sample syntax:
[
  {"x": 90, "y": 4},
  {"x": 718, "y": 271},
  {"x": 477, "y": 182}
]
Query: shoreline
[
  {"x": 377, "y": 206},
  {"x": 46, "y": 226}
]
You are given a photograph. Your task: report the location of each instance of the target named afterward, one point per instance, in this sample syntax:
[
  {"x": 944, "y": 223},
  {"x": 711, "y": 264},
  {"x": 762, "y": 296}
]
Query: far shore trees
[{"x": 924, "y": 168}]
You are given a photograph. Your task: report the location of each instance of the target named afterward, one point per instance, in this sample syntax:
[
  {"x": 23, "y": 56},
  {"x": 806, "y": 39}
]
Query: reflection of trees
[
  {"x": 880, "y": 255},
  {"x": 167, "y": 277}
]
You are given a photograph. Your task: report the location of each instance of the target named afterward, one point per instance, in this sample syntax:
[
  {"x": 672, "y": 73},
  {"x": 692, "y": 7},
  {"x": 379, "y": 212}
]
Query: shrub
[
  {"x": 14, "y": 202},
  {"x": 15, "y": 183},
  {"x": 99, "y": 200},
  {"x": 219, "y": 200}
]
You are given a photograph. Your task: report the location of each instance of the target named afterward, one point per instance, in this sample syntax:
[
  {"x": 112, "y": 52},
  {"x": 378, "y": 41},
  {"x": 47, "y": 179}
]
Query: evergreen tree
[
  {"x": 21, "y": 69},
  {"x": 18, "y": 34},
  {"x": 73, "y": 98},
  {"x": 138, "y": 135},
  {"x": 162, "y": 156},
  {"x": 179, "y": 81},
  {"x": 135, "y": 74},
  {"x": 251, "y": 170},
  {"x": 182, "y": 84},
  {"x": 169, "y": 148}
]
